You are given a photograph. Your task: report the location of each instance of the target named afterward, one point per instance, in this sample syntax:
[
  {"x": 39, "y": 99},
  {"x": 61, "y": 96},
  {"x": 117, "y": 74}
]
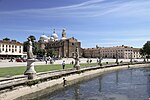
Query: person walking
[{"x": 63, "y": 64}]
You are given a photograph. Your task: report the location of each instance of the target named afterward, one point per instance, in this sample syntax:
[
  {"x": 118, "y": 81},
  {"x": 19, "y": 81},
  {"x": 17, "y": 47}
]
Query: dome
[
  {"x": 43, "y": 37},
  {"x": 54, "y": 35},
  {"x": 51, "y": 38},
  {"x": 48, "y": 37}
]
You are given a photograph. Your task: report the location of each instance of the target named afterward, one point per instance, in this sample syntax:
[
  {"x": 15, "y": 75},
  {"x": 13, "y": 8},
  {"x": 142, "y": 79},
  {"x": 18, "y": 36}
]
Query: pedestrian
[
  {"x": 46, "y": 60},
  {"x": 72, "y": 62},
  {"x": 63, "y": 64}
]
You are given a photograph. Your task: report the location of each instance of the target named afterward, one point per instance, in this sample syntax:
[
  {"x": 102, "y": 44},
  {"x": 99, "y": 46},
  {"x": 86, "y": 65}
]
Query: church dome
[
  {"x": 51, "y": 38},
  {"x": 44, "y": 38},
  {"x": 54, "y": 35}
]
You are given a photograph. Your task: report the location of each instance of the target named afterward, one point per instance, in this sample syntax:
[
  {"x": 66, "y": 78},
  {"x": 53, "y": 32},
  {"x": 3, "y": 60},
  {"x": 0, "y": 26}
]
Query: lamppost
[
  {"x": 117, "y": 57},
  {"x": 100, "y": 58},
  {"x": 144, "y": 58},
  {"x": 131, "y": 59}
]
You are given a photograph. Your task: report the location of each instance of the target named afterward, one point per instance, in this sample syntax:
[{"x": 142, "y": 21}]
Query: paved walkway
[{"x": 6, "y": 63}]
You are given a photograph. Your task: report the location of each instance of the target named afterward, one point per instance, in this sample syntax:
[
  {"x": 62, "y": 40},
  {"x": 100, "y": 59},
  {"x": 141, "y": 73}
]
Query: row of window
[
  {"x": 10, "y": 50},
  {"x": 13, "y": 46}
]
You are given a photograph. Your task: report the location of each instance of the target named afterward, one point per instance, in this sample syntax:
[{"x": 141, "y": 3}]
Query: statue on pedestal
[
  {"x": 30, "y": 71},
  {"x": 77, "y": 60}
]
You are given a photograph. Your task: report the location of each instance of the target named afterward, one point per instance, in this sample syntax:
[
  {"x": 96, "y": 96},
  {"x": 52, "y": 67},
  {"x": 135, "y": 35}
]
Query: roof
[{"x": 10, "y": 42}]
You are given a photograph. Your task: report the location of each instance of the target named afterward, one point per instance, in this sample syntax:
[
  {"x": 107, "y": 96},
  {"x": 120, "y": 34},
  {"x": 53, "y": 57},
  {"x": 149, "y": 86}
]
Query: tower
[{"x": 63, "y": 34}]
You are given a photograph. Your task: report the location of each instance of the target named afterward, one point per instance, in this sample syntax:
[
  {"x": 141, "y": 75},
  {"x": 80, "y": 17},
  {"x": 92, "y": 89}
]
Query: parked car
[{"x": 19, "y": 60}]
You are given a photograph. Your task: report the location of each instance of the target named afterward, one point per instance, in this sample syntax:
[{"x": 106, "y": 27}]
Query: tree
[
  {"x": 41, "y": 53},
  {"x": 6, "y": 39},
  {"x": 32, "y": 38},
  {"x": 146, "y": 48},
  {"x": 51, "y": 52},
  {"x": 25, "y": 44},
  {"x": 142, "y": 52}
]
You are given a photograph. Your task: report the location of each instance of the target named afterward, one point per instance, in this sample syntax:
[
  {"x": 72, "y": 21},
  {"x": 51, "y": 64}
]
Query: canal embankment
[{"x": 52, "y": 81}]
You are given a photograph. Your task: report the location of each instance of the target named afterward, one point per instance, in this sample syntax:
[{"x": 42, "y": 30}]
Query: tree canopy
[
  {"x": 32, "y": 38},
  {"x": 146, "y": 49},
  {"x": 6, "y": 39}
]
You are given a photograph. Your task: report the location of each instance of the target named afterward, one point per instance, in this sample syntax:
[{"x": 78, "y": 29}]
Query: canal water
[{"x": 131, "y": 84}]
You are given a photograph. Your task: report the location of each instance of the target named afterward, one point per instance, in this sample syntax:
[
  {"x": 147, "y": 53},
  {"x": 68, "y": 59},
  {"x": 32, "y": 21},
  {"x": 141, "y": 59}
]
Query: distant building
[
  {"x": 111, "y": 52},
  {"x": 10, "y": 49},
  {"x": 64, "y": 47}
]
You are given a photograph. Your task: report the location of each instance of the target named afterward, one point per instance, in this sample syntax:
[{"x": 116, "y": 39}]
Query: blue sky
[{"x": 93, "y": 22}]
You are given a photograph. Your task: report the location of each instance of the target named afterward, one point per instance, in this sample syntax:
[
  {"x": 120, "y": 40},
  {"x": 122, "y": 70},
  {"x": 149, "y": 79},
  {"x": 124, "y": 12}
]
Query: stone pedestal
[
  {"x": 77, "y": 66},
  {"x": 30, "y": 71}
]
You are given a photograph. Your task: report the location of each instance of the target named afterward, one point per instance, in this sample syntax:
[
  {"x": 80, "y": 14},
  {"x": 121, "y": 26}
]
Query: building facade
[
  {"x": 124, "y": 52},
  {"x": 10, "y": 49},
  {"x": 64, "y": 47}
]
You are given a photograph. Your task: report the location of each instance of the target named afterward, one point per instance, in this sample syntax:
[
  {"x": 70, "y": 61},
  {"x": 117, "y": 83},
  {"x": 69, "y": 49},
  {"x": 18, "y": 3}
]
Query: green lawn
[{"x": 11, "y": 71}]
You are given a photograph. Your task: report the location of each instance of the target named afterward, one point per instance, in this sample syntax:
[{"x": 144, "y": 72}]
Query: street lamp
[
  {"x": 131, "y": 61},
  {"x": 100, "y": 58},
  {"x": 144, "y": 58},
  {"x": 117, "y": 57}
]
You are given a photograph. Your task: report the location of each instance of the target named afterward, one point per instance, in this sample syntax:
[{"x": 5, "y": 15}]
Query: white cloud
[{"x": 91, "y": 8}]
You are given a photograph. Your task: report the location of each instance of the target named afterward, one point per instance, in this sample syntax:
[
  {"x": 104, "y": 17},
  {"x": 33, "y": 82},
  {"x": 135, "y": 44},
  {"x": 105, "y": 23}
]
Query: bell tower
[{"x": 64, "y": 34}]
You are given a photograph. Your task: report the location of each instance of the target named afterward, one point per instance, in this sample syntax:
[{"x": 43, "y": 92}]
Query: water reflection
[
  {"x": 117, "y": 78},
  {"x": 131, "y": 84},
  {"x": 77, "y": 92},
  {"x": 148, "y": 85},
  {"x": 100, "y": 83}
]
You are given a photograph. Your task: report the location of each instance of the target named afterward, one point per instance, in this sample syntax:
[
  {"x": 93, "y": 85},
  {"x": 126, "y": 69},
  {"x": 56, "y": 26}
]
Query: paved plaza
[{"x": 6, "y": 63}]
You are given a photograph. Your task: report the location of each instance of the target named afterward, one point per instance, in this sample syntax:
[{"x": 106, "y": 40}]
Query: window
[{"x": 19, "y": 51}]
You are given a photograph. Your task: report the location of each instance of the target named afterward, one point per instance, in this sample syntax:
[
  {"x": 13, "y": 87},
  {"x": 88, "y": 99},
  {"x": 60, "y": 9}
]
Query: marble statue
[
  {"x": 77, "y": 60},
  {"x": 29, "y": 49}
]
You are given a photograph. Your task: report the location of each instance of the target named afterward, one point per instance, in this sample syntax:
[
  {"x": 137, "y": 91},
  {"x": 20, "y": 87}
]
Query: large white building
[
  {"x": 10, "y": 49},
  {"x": 110, "y": 52}
]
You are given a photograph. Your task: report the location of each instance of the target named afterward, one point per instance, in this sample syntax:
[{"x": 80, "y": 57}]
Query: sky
[{"x": 104, "y": 23}]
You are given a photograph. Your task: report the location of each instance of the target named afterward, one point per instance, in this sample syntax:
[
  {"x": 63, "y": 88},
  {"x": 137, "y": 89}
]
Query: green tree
[
  {"x": 142, "y": 52},
  {"x": 32, "y": 38},
  {"x": 6, "y": 39},
  {"x": 41, "y": 53},
  {"x": 51, "y": 52},
  {"x": 146, "y": 48},
  {"x": 25, "y": 46}
]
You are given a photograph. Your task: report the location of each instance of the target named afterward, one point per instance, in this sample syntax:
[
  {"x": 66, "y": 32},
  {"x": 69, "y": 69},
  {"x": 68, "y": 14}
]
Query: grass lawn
[{"x": 11, "y": 71}]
